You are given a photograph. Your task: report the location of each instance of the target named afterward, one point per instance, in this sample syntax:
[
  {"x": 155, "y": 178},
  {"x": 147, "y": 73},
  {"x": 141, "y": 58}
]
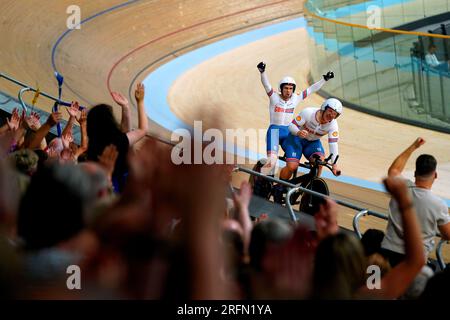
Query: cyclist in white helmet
[
  {"x": 306, "y": 130},
  {"x": 282, "y": 106}
]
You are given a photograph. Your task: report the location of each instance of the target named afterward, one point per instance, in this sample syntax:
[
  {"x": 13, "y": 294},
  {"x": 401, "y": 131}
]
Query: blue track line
[{"x": 68, "y": 31}]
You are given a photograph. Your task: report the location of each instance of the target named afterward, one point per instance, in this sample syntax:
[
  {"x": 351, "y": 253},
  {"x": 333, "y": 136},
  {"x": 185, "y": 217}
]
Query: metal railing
[
  {"x": 293, "y": 188},
  {"x": 373, "y": 68},
  {"x": 363, "y": 213},
  {"x": 26, "y": 88}
]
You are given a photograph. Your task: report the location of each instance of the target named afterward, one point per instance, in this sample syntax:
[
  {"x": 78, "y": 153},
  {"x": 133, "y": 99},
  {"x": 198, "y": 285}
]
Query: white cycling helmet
[
  {"x": 334, "y": 104},
  {"x": 287, "y": 80}
]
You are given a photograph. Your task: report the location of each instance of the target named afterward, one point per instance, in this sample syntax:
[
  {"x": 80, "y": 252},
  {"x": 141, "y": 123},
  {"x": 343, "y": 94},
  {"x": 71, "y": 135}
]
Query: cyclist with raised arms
[
  {"x": 306, "y": 130},
  {"x": 282, "y": 106}
]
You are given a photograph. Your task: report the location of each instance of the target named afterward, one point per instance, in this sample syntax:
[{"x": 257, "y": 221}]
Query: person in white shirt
[
  {"x": 432, "y": 211},
  {"x": 282, "y": 106},
  {"x": 306, "y": 130},
  {"x": 432, "y": 60}
]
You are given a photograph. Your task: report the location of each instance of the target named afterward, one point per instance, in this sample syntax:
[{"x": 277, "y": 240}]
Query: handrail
[
  {"x": 290, "y": 185},
  {"x": 356, "y": 222},
  {"x": 439, "y": 257},
  {"x": 365, "y": 213},
  {"x": 29, "y": 88},
  {"x": 24, "y": 107},
  {"x": 348, "y": 24},
  {"x": 289, "y": 205}
]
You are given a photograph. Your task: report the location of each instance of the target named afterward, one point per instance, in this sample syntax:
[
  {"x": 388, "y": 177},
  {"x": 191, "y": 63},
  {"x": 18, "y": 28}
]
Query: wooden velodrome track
[{"x": 112, "y": 50}]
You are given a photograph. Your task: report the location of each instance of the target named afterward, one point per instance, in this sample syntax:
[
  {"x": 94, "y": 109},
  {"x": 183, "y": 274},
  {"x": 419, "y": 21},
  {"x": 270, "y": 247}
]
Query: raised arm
[
  {"x": 264, "y": 80},
  {"x": 40, "y": 134},
  {"x": 316, "y": 86},
  {"x": 399, "y": 163},
  {"x": 120, "y": 99},
  {"x": 17, "y": 125},
  {"x": 73, "y": 111},
  {"x": 34, "y": 123},
  {"x": 82, "y": 120},
  {"x": 241, "y": 202},
  {"x": 398, "y": 280},
  {"x": 136, "y": 135}
]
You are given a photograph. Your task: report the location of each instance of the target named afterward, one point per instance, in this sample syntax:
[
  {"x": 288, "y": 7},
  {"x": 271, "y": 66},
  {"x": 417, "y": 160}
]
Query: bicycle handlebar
[{"x": 324, "y": 163}]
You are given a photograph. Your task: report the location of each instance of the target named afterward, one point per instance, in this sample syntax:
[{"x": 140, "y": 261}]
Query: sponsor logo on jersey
[
  {"x": 312, "y": 131},
  {"x": 335, "y": 134},
  {"x": 279, "y": 109}
]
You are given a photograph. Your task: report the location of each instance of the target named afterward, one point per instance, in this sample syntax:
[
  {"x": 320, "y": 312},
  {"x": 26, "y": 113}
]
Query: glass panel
[
  {"x": 404, "y": 67},
  {"x": 434, "y": 7},
  {"x": 446, "y": 110},
  {"x": 382, "y": 71},
  {"x": 436, "y": 108}
]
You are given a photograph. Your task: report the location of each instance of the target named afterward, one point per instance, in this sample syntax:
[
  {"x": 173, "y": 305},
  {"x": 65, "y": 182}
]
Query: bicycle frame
[{"x": 305, "y": 181}]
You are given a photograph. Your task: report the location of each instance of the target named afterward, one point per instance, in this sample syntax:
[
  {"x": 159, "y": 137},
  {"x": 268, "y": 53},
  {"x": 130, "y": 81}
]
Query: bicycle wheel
[{"x": 310, "y": 204}]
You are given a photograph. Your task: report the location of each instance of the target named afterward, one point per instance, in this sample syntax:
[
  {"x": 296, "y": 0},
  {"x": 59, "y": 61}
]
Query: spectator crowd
[{"x": 140, "y": 227}]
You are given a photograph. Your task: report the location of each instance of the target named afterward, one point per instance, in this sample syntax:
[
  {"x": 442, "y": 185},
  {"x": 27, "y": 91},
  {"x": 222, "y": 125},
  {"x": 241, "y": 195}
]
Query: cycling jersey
[
  {"x": 307, "y": 120},
  {"x": 281, "y": 111}
]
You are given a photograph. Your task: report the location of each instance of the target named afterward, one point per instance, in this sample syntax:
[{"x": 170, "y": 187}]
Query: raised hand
[
  {"x": 261, "y": 67},
  {"x": 66, "y": 139},
  {"x": 74, "y": 109},
  {"x": 14, "y": 121},
  {"x": 242, "y": 199},
  {"x": 33, "y": 120},
  {"x": 119, "y": 99},
  {"x": 139, "y": 93},
  {"x": 328, "y": 76},
  {"x": 418, "y": 143},
  {"x": 82, "y": 119}
]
